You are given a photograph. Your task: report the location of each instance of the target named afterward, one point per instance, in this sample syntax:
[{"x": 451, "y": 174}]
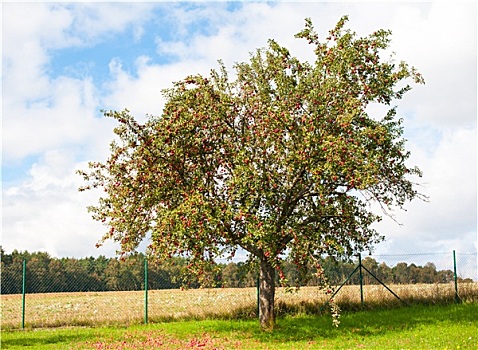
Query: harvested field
[{"x": 125, "y": 308}]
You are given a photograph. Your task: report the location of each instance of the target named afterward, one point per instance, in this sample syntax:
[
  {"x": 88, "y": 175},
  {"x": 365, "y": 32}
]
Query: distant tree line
[{"x": 47, "y": 274}]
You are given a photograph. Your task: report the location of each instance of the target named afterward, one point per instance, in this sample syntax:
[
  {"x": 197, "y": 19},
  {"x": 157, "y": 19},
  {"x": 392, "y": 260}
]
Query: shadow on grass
[
  {"x": 42, "y": 340},
  {"x": 353, "y": 324}
]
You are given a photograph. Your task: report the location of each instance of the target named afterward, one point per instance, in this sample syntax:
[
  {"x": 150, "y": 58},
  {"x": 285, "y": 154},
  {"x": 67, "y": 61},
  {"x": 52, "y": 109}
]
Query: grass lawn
[{"x": 414, "y": 327}]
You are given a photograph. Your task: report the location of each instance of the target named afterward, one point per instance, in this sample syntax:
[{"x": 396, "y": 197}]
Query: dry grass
[
  {"x": 105, "y": 308},
  {"x": 311, "y": 300},
  {"x": 62, "y": 309},
  {"x": 110, "y": 308}
]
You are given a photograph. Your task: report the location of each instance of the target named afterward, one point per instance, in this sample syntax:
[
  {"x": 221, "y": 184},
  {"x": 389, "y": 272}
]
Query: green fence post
[
  {"x": 457, "y": 298},
  {"x": 361, "y": 278},
  {"x": 145, "y": 290},
  {"x": 24, "y": 285}
]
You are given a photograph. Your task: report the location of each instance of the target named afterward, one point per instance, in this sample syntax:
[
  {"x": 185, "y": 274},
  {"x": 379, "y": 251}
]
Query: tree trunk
[{"x": 266, "y": 295}]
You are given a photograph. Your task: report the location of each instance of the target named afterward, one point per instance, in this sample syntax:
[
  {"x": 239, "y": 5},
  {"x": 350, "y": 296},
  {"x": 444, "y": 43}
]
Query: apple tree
[{"x": 284, "y": 160}]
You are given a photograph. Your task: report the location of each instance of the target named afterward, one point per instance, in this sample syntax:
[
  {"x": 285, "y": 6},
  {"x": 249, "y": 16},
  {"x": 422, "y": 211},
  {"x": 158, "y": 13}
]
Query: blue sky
[{"x": 69, "y": 61}]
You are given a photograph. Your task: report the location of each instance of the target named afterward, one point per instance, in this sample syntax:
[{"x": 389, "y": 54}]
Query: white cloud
[
  {"x": 64, "y": 117},
  {"x": 236, "y": 34},
  {"x": 41, "y": 113},
  {"x": 94, "y": 20},
  {"x": 141, "y": 93},
  {"x": 450, "y": 216},
  {"x": 47, "y": 213},
  {"x": 442, "y": 44}
]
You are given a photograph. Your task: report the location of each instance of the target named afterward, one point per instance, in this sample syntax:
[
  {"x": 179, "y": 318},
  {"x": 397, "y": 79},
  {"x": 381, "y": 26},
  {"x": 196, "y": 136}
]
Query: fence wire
[{"x": 40, "y": 291}]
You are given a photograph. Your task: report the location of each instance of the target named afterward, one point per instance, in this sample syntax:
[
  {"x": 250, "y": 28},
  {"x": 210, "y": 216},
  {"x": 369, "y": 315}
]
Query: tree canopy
[{"x": 282, "y": 160}]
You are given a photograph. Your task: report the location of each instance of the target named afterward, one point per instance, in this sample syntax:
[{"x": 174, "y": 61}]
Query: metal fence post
[
  {"x": 145, "y": 290},
  {"x": 361, "y": 278},
  {"x": 457, "y": 298},
  {"x": 24, "y": 284}
]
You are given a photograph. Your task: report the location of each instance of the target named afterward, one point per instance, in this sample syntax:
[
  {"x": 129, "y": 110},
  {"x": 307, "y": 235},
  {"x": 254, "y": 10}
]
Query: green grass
[{"x": 415, "y": 327}]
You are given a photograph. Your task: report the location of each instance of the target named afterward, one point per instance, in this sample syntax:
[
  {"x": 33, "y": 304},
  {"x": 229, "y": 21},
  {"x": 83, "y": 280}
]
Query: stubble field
[{"x": 128, "y": 308}]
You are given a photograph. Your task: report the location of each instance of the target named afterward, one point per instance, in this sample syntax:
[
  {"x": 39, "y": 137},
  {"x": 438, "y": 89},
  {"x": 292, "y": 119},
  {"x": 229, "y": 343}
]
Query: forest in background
[{"x": 47, "y": 274}]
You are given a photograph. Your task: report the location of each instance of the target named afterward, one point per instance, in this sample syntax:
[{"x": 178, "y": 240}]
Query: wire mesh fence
[{"x": 40, "y": 291}]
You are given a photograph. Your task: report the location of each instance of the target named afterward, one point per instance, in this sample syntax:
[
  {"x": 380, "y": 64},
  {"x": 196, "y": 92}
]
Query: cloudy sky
[{"x": 63, "y": 63}]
